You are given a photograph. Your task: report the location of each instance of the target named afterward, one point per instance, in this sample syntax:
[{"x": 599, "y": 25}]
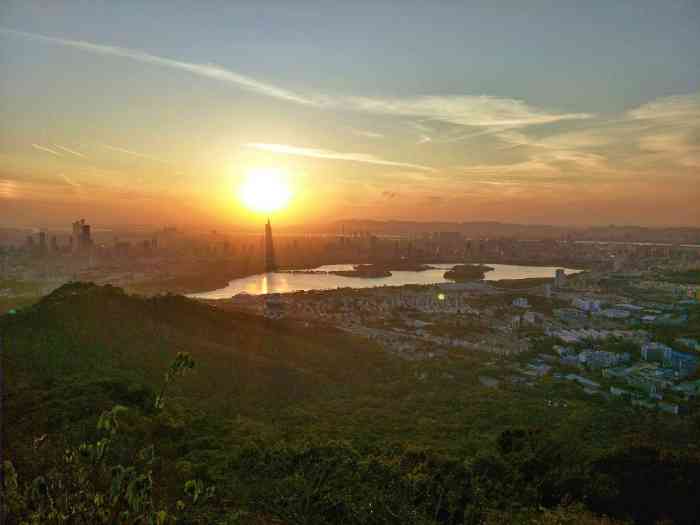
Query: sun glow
[{"x": 265, "y": 190}]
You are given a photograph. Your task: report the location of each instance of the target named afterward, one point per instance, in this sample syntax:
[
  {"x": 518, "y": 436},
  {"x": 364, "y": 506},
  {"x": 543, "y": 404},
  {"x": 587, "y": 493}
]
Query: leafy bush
[{"x": 101, "y": 481}]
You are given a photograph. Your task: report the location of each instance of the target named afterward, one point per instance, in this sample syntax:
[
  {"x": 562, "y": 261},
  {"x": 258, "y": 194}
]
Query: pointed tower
[{"x": 270, "y": 265}]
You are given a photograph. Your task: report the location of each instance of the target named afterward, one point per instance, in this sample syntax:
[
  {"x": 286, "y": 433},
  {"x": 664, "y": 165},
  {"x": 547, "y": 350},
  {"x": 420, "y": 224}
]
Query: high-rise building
[
  {"x": 270, "y": 264},
  {"x": 43, "y": 248},
  {"x": 81, "y": 239},
  {"x": 85, "y": 235},
  {"x": 75, "y": 236}
]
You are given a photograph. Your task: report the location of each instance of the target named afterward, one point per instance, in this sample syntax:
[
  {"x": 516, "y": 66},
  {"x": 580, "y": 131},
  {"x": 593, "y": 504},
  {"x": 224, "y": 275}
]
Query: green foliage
[
  {"x": 90, "y": 485},
  {"x": 543, "y": 344},
  {"x": 686, "y": 277},
  {"x": 571, "y": 514},
  {"x": 309, "y": 425},
  {"x": 621, "y": 346},
  {"x": 523, "y": 479},
  {"x": 467, "y": 272},
  {"x": 179, "y": 367},
  {"x": 644, "y": 476},
  {"x": 333, "y": 483},
  {"x": 109, "y": 421}
]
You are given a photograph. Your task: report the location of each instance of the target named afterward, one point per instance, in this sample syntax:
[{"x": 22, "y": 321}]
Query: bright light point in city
[
  {"x": 441, "y": 297},
  {"x": 265, "y": 190}
]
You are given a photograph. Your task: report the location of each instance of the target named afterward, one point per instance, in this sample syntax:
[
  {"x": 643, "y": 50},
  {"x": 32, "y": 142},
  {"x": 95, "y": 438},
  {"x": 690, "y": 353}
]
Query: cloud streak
[
  {"x": 47, "y": 150},
  {"x": 203, "y": 70},
  {"x": 464, "y": 110},
  {"x": 136, "y": 154},
  {"x": 367, "y": 134},
  {"x": 318, "y": 153},
  {"x": 143, "y": 156},
  {"x": 68, "y": 150},
  {"x": 70, "y": 181}
]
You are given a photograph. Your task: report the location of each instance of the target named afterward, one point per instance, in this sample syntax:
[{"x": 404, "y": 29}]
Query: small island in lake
[
  {"x": 467, "y": 272},
  {"x": 367, "y": 270},
  {"x": 377, "y": 270},
  {"x": 364, "y": 270}
]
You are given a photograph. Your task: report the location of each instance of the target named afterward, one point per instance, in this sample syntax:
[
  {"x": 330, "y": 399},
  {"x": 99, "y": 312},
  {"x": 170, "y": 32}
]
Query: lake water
[{"x": 265, "y": 283}]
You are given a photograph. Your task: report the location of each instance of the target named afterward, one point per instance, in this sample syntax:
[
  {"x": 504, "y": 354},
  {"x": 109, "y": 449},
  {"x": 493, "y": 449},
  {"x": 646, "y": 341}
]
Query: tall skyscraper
[
  {"x": 43, "y": 247},
  {"x": 270, "y": 265},
  {"x": 81, "y": 240},
  {"x": 77, "y": 233}
]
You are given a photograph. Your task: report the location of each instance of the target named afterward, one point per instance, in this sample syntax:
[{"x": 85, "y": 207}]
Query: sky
[{"x": 155, "y": 112}]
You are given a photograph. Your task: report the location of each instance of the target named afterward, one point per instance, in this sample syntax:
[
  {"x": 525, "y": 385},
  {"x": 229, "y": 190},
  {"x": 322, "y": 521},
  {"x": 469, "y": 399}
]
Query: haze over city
[{"x": 152, "y": 113}]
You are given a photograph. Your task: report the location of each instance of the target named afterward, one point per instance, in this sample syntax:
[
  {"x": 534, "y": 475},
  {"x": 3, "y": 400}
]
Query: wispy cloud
[
  {"x": 677, "y": 109},
  {"x": 546, "y": 159},
  {"x": 136, "y": 154},
  {"x": 317, "y": 153},
  {"x": 68, "y": 150},
  {"x": 497, "y": 183},
  {"x": 463, "y": 110},
  {"x": 144, "y": 156},
  {"x": 672, "y": 128},
  {"x": 204, "y": 70},
  {"x": 47, "y": 150},
  {"x": 655, "y": 135},
  {"x": 70, "y": 181},
  {"x": 534, "y": 166},
  {"x": 367, "y": 134}
]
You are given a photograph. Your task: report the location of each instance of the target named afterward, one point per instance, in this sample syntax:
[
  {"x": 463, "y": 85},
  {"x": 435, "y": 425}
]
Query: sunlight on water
[{"x": 293, "y": 282}]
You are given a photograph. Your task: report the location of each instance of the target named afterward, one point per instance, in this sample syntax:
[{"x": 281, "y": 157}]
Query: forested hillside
[{"x": 303, "y": 424}]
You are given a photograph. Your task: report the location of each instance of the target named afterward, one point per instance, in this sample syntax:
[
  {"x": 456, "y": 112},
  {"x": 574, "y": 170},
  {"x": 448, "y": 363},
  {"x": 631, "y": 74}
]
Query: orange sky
[{"x": 123, "y": 126}]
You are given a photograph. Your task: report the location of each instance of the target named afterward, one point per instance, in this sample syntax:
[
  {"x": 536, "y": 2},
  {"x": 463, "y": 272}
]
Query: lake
[{"x": 266, "y": 283}]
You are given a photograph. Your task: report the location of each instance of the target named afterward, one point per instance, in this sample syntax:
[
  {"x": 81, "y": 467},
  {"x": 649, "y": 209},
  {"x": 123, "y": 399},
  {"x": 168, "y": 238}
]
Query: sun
[{"x": 265, "y": 190}]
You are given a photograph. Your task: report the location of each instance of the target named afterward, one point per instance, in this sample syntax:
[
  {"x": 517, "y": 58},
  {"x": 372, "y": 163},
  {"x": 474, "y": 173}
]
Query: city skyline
[{"x": 563, "y": 116}]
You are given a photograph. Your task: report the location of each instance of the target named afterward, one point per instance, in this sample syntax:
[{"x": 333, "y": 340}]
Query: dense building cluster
[{"x": 604, "y": 340}]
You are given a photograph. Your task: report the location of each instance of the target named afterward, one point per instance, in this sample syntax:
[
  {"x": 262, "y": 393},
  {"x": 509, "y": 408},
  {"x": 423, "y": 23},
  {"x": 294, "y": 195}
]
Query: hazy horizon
[{"x": 158, "y": 113}]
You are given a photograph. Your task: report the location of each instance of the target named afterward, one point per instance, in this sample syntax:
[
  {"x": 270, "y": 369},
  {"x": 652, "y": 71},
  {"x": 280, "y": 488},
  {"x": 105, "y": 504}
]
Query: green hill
[
  {"x": 303, "y": 423},
  {"x": 88, "y": 340}
]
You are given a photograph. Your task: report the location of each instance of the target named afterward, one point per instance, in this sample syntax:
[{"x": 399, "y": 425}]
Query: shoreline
[{"x": 508, "y": 282}]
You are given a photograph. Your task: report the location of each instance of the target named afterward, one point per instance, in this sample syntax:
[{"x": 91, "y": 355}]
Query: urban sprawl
[{"x": 622, "y": 328}]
